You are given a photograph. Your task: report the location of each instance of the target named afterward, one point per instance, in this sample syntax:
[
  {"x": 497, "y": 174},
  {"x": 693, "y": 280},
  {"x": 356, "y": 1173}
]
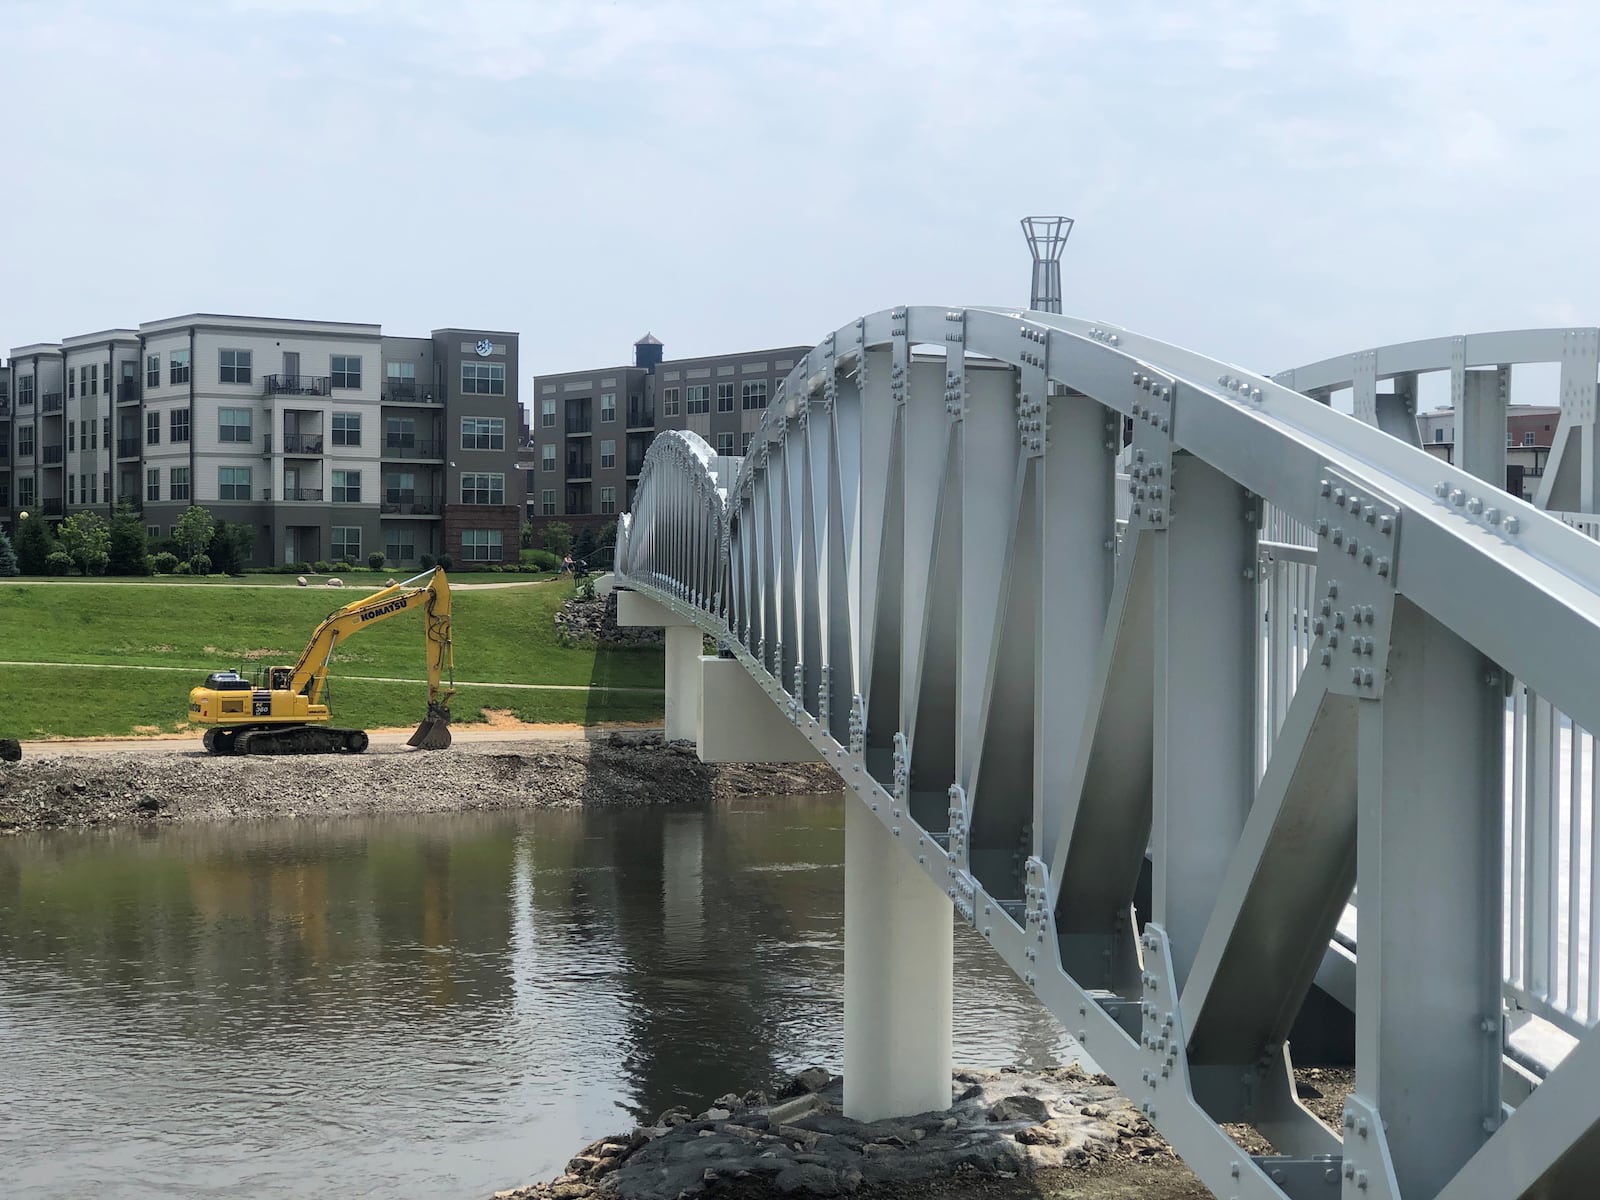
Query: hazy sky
[{"x": 1268, "y": 182}]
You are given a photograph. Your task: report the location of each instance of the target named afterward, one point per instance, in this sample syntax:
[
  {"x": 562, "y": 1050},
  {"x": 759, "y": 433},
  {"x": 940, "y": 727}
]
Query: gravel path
[{"x": 67, "y": 787}]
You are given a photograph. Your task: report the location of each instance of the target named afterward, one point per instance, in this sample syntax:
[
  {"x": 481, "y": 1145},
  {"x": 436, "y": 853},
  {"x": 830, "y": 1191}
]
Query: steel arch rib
[{"x": 1469, "y": 582}]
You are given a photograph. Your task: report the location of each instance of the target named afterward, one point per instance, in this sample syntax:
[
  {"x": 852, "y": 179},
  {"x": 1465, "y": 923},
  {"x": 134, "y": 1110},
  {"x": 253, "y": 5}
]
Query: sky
[{"x": 1267, "y": 182}]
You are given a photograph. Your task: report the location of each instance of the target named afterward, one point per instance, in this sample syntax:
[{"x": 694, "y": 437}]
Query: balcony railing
[
  {"x": 579, "y": 470},
  {"x": 128, "y": 447},
  {"x": 409, "y": 391},
  {"x": 399, "y": 504},
  {"x": 52, "y": 454},
  {"x": 297, "y": 385},
  {"x": 403, "y": 447},
  {"x": 578, "y": 424},
  {"x": 641, "y": 417},
  {"x": 313, "y": 495},
  {"x": 52, "y": 507},
  {"x": 50, "y": 402},
  {"x": 303, "y": 444},
  {"x": 128, "y": 391}
]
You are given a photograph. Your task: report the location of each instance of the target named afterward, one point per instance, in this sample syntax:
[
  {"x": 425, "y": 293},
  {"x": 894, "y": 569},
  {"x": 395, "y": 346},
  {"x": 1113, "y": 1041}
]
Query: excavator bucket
[{"x": 434, "y": 732}]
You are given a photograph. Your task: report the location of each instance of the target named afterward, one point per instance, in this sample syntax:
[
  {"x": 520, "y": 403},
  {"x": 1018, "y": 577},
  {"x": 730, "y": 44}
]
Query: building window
[
  {"x": 233, "y": 483},
  {"x": 25, "y": 492},
  {"x": 72, "y": 381},
  {"x": 105, "y": 431},
  {"x": 547, "y": 414},
  {"x": 1527, "y": 438},
  {"x": 152, "y": 483},
  {"x": 347, "y": 487},
  {"x": 178, "y": 483},
  {"x": 346, "y": 541},
  {"x": 608, "y": 406},
  {"x": 547, "y": 502},
  {"x": 178, "y": 425},
  {"x": 233, "y": 424},
  {"x": 152, "y": 429},
  {"x": 400, "y": 487},
  {"x": 483, "y": 433},
  {"x": 481, "y": 545},
  {"x": 72, "y": 437},
  {"x": 24, "y": 390},
  {"x": 669, "y": 402},
  {"x": 744, "y": 447},
  {"x": 178, "y": 366},
  {"x": 608, "y": 452},
  {"x": 753, "y": 394},
  {"x": 153, "y": 532},
  {"x": 94, "y": 380},
  {"x": 347, "y": 427},
  {"x": 25, "y": 441},
  {"x": 152, "y": 371},
  {"x": 346, "y": 372},
  {"x": 483, "y": 488},
  {"x": 72, "y": 489},
  {"x": 608, "y": 499},
  {"x": 483, "y": 379},
  {"x": 725, "y": 444},
  {"x": 547, "y": 456},
  {"x": 400, "y": 433},
  {"x": 724, "y": 397},
  {"x": 698, "y": 398},
  {"x": 399, "y": 545},
  {"x": 233, "y": 366},
  {"x": 1438, "y": 435}
]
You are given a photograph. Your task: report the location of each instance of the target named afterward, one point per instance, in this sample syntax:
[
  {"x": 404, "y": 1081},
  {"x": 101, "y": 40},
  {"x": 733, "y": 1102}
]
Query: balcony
[
  {"x": 52, "y": 507},
  {"x": 51, "y": 456},
  {"x": 297, "y": 385},
  {"x": 578, "y": 423},
  {"x": 404, "y": 447},
  {"x": 128, "y": 447},
  {"x": 579, "y": 469},
  {"x": 635, "y": 466},
  {"x": 50, "y": 402},
  {"x": 128, "y": 392},
  {"x": 641, "y": 417},
  {"x": 401, "y": 504},
  {"x": 302, "y": 445},
  {"x": 409, "y": 391},
  {"x": 302, "y": 495}
]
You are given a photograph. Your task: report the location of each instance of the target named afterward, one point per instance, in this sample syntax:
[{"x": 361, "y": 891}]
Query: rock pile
[
  {"x": 596, "y": 621},
  {"x": 999, "y": 1123}
]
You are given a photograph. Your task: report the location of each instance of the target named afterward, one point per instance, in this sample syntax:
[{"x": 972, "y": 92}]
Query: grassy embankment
[{"x": 101, "y": 630}]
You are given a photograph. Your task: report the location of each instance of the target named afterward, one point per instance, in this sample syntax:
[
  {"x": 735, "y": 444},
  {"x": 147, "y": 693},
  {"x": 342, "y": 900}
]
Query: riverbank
[{"x": 79, "y": 789}]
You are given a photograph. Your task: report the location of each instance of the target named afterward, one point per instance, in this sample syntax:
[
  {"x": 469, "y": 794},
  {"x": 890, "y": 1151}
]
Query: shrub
[
  {"x": 541, "y": 560},
  {"x": 181, "y": 569},
  {"x": 319, "y": 568},
  {"x": 232, "y": 543},
  {"x": 129, "y": 550},
  {"x": 299, "y": 568},
  {"x": 586, "y": 588},
  {"x": 375, "y": 560},
  {"x": 150, "y": 564},
  {"x": 344, "y": 564},
  {"x": 34, "y": 545},
  {"x": 58, "y": 562},
  {"x": 200, "y": 564},
  {"x": 164, "y": 563},
  {"x": 8, "y": 556},
  {"x": 426, "y": 561},
  {"x": 446, "y": 563}
]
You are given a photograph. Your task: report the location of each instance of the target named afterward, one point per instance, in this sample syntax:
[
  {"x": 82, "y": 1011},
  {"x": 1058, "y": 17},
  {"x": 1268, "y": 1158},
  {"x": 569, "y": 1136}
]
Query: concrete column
[
  {"x": 898, "y": 974},
  {"x": 739, "y": 723},
  {"x": 684, "y": 644}
]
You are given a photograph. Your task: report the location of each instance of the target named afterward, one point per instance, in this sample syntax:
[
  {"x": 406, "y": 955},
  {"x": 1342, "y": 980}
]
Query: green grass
[
  {"x": 356, "y": 579},
  {"x": 501, "y": 637}
]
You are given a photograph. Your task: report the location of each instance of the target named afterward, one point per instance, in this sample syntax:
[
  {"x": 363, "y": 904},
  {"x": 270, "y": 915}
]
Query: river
[{"x": 421, "y": 1007}]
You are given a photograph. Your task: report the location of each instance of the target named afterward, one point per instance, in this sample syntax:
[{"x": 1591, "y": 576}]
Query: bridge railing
[{"x": 1280, "y": 669}]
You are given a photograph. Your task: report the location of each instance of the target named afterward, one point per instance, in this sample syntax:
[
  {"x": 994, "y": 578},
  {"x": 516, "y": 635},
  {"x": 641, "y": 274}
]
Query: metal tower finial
[{"x": 1047, "y": 237}]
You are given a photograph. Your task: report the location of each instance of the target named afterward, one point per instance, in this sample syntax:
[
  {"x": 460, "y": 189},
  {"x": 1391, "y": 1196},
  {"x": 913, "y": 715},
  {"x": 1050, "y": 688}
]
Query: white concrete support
[
  {"x": 898, "y": 975},
  {"x": 684, "y": 645},
  {"x": 738, "y": 722}
]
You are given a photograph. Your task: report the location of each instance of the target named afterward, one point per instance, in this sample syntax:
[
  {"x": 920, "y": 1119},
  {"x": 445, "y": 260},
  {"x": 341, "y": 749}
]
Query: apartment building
[
  {"x": 590, "y": 429},
  {"x": 1530, "y": 433},
  {"x": 329, "y": 438}
]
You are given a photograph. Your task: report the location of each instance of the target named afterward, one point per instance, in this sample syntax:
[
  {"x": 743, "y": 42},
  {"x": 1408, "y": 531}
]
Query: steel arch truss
[{"x": 920, "y": 562}]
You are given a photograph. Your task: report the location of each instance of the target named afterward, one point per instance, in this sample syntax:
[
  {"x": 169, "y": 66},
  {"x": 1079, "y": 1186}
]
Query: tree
[
  {"x": 129, "y": 545},
  {"x": 8, "y": 557},
  {"x": 527, "y": 535},
  {"x": 193, "y": 531},
  {"x": 232, "y": 543},
  {"x": 583, "y": 544},
  {"x": 87, "y": 541},
  {"x": 558, "y": 538},
  {"x": 34, "y": 545}
]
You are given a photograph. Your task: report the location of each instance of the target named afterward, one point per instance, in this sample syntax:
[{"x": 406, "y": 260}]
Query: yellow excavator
[{"x": 282, "y": 711}]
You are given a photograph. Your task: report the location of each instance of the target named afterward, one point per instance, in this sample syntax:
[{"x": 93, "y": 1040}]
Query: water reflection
[{"x": 438, "y": 1006}]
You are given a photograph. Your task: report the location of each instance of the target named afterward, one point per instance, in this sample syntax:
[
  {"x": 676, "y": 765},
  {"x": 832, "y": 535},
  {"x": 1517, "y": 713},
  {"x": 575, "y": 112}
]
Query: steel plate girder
[{"x": 1431, "y": 354}]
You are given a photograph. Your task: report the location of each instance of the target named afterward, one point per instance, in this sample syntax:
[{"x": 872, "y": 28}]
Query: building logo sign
[{"x": 485, "y": 348}]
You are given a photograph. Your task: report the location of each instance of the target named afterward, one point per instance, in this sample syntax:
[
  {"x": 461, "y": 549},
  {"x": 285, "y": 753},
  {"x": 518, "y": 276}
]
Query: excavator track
[{"x": 289, "y": 739}]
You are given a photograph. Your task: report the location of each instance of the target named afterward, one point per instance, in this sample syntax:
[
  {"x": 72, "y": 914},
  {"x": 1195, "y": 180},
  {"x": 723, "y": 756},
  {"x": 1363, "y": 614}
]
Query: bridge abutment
[
  {"x": 684, "y": 643},
  {"x": 899, "y": 962}
]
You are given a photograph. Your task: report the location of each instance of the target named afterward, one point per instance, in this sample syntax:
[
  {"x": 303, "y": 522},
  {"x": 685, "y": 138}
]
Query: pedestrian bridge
[{"x": 1212, "y": 708}]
